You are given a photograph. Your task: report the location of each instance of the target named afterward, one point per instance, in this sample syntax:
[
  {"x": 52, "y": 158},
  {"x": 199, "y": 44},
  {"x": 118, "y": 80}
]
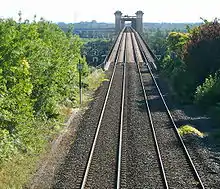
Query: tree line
[{"x": 191, "y": 62}]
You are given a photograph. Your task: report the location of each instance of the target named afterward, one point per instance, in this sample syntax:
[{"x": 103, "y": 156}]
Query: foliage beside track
[
  {"x": 192, "y": 64},
  {"x": 38, "y": 78},
  {"x": 96, "y": 48},
  {"x": 188, "y": 129}
]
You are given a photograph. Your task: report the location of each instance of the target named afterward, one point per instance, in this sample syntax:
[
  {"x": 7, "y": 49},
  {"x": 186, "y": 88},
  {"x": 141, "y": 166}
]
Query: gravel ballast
[
  {"x": 204, "y": 151},
  {"x": 177, "y": 169},
  {"x": 142, "y": 164},
  {"x": 104, "y": 161}
]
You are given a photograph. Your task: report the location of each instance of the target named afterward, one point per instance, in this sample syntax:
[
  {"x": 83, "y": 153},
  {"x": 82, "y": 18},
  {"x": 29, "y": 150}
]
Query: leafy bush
[
  {"x": 191, "y": 57},
  {"x": 176, "y": 42},
  {"x": 38, "y": 74},
  {"x": 202, "y": 53},
  {"x": 172, "y": 61},
  {"x": 38, "y": 88},
  {"x": 172, "y": 64},
  {"x": 208, "y": 94}
]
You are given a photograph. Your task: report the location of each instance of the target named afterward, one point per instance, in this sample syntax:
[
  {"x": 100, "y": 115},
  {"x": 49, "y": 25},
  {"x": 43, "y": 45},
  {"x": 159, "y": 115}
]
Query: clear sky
[{"x": 103, "y": 11}]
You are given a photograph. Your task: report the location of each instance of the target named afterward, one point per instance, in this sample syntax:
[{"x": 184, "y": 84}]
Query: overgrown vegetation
[
  {"x": 192, "y": 56},
  {"x": 192, "y": 64},
  {"x": 156, "y": 39},
  {"x": 156, "y": 36},
  {"x": 38, "y": 83}
]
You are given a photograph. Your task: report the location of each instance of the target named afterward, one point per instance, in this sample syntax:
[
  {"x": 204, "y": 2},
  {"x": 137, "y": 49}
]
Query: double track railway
[
  {"x": 106, "y": 165},
  {"x": 128, "y": 138}
]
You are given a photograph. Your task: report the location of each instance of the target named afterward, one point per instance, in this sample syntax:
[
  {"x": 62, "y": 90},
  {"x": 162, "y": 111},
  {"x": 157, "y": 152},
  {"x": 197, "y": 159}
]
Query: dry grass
[
  {"x": 15, "y": 173},
  {"x": 65, "y": 111},
  {"x": 95, "y": 79}
]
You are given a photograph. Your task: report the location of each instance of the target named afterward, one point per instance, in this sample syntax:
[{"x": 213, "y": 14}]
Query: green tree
[{"x": 38, "y": 74}]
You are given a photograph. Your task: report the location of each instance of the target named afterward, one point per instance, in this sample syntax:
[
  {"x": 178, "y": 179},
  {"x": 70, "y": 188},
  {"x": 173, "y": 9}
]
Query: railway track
[
  {"x": 105, "y": 158},
  {"x": 134, "y": 141},
  {"x": 176, "y": 165}
]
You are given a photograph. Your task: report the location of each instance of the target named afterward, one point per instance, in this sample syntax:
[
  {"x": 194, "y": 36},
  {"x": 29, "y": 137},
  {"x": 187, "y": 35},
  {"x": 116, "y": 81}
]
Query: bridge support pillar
[
  {"x": 118, "y": 26},
  {"x": 139, "y": 21}
]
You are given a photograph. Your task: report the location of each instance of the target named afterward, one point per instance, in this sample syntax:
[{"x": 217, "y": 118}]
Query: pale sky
[{"x": 103, "y": 11}]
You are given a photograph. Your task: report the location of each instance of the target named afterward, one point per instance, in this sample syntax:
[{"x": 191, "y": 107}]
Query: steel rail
[
  {"x": 151, "y": 120},
  {"x": 83, "y": 184},
  {"x": 195, "y": 172},
  {"x": 122, "y": 119}
]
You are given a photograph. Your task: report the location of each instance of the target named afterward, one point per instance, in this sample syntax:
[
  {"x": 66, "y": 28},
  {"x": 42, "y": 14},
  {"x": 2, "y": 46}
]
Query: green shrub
[
  {"x": 190, "y": 58},
  {"x": 38, "y": 73},
  {"x": 187, "y": 129},
  {"x": 176, "y": 42},
  {"x": 202, "y": 53},
  {"x": 38, "y": 88},
  {"x": 94, "y": 79},
  {"x": 208, "y": 94}
]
